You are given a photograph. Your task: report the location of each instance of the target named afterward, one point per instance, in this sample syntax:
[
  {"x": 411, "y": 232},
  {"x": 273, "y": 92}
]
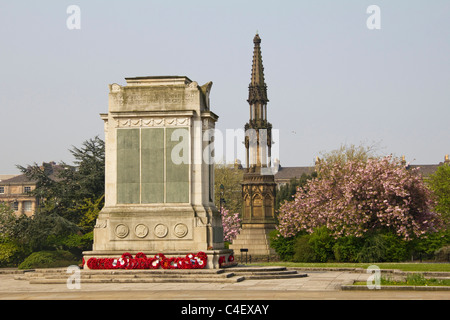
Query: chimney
[{"x": 403, "y": 161}]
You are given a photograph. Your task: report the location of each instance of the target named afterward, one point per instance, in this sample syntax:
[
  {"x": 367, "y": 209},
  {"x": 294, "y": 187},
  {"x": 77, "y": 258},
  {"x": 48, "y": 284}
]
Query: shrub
[
  {"x": 316, "y": 247},
  {"x": 396, "y": 249},
  {"x": 373, "y": 249},
  {"x": 11, "y": 254},
  {"x": 48, "y": 259},
  {"x": 346, "y": 249},
  {"x": 303, "y": 250},
  {"x": 322, "y": 243},
  {"x": 284, "y": 247}
]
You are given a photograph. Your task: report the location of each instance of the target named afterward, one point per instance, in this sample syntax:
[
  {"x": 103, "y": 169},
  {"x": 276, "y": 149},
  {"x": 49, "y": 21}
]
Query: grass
[
  {"x": 411, "y": 280},
  {"x": 437, "y": 267}
]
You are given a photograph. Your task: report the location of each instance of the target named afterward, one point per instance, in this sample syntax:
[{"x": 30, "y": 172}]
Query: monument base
[
  {"x": 215, "y": 258},
  {"x": 255, "y": 238}
]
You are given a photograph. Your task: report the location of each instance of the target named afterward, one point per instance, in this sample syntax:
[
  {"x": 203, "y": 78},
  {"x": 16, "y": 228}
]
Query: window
[
  {"x": 15, "y": 206},
  {"x": 2, "y": 190},
  {"x": 27, "y": 205},
  {"x": 27, "y": 189}
]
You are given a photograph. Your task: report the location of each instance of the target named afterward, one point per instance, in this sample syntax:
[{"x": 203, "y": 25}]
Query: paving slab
[{"x": 323, "y": 285}]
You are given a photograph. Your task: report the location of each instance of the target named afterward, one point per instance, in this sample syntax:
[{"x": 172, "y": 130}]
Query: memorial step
[{"x": 228, "y": 275}]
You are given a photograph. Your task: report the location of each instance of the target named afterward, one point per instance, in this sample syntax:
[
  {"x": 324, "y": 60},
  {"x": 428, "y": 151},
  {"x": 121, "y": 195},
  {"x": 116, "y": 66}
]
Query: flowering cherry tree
[
  {"x": 231, "y": 224},
  {"x": 357, "y": 197}
]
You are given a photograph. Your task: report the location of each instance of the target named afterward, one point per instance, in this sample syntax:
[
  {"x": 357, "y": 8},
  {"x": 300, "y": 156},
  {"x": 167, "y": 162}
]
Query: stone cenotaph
[{"x": 159, "y": 176}]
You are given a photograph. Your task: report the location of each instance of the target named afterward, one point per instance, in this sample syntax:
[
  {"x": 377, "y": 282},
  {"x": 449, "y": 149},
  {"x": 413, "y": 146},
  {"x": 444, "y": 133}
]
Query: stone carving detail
[
  {"x": 154, "y": 122},
  {"x": 101, "y": 224},
  {"x": 121, "y": 231},
  {"x": 193, "y": 85},
  {"x": 141, "y": 230},
  {"x": 115, "y": 87},
  {"x": 161, "y": 230},
  {"x": 180, "y": 230}
]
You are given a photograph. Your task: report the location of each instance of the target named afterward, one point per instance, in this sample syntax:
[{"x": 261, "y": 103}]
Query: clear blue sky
[{"x": 330, "y": 79}]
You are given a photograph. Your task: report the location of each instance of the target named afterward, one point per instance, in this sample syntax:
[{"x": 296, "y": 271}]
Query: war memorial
[{"x": 159, "y": 196}]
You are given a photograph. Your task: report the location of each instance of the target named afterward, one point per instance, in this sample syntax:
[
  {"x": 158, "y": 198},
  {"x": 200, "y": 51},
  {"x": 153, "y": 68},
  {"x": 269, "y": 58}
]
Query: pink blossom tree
[
  {"x": 360, "y": 196},
  {"x": 231, "y": 224}
]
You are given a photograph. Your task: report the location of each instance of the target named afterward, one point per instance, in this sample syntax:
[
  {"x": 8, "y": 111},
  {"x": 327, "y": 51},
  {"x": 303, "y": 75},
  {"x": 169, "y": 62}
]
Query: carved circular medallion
[
  {"x": 121, "y": 230},
  {"x": 180, "y": 230},
  {"x": 161, "y": 230},
  {"x": 141, "y": 230}
]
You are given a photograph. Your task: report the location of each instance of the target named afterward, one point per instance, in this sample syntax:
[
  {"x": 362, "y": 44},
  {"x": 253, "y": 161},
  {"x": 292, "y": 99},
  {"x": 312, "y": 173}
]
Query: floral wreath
[{"x": 140, "y": 261}]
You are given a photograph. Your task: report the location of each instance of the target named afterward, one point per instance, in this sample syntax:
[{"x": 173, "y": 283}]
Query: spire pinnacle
[{"x": 257, "y": 88}]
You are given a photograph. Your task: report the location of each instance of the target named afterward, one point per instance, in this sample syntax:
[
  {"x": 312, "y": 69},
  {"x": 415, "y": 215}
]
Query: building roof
[
  {"x": 427, "y": 169},
  {"x": 4, "y": 177},
  {"x": 287, "y": 173},
  {"x": 23, "y": 179}
]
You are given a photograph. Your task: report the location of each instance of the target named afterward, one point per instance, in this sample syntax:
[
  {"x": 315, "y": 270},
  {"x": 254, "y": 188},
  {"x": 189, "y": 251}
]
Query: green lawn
[
  {"x": 411, "y": 280},
  {"x": 382, "y": 265}
]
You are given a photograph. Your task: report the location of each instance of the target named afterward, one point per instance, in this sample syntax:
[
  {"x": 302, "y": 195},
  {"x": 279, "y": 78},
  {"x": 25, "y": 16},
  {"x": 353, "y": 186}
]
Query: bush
[
  {"x": 284, "y": 247},
  {"x": 396, "y": 249},
  {"x": 74, "y": 243},
  {"x": 49, "y": 259},
  {"x": 315, "y": 247},
  {"x": 303, "y": 250},
  {"x": 346, "y": 249},
  {"x": 322, "y": 244},
  {"x": 11, "y": 254}
]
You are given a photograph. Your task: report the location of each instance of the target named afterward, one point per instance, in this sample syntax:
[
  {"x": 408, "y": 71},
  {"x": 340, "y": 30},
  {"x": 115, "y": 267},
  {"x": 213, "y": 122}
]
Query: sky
[{"x": 331, "y": 80}]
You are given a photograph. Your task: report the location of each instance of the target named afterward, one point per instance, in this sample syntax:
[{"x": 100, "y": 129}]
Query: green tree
[
  {"x": 69, "y": 197},
  {"x": 63, "y": 189},
  {"x": 231, "y": 178},
  {"x": 439, "y": 183}
]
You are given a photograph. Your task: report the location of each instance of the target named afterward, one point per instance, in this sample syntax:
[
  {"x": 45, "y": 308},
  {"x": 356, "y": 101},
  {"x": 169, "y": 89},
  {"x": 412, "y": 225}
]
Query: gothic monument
[{"x": 258, "y": 187}]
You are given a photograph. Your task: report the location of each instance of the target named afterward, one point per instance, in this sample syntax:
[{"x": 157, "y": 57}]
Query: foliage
[
  {"x": 231, "y": 224},
  {"x": 11, "y": 253},
  {"x": 287, "y": 192},
  {"x": 344, "y": 154},
  {"x": 39, "y": 231},
  {"x": 284, "y": 246},
  {"x": 231, "y": 178},
  {"x": 414, "y": 279},
  {"x": 303, "y": 251},
  {"x": 69, "y": 197},
  {"x": 426, "y": 247},
  {"x": 443, "y": 254},
  {"x": 360, "y": 197},
  {"x": 89, "y": 211},
  {"x": 64, "y": 189},
  {"x": 49, "y": 259},
  {"x": 439, "y": 183},
  {"x": 7, "y": 220}
]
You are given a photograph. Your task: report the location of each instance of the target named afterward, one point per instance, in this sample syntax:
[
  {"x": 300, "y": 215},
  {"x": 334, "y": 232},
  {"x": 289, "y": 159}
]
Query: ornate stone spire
[
  {"x": 257, "y": 88},
  {"x": 259, "y": 141}
]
